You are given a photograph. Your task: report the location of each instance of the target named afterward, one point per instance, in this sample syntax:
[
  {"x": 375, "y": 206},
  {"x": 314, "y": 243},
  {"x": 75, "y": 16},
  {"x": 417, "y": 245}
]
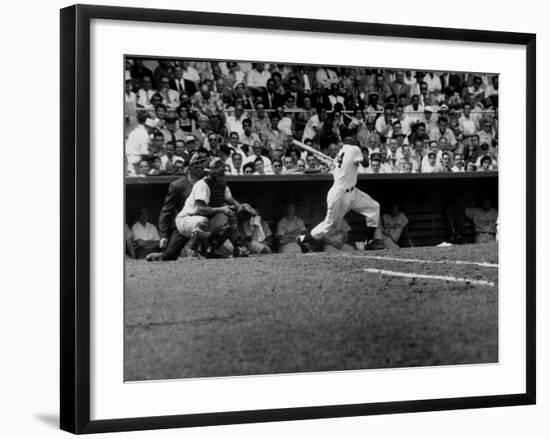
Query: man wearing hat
[
  {"x": 137, "y": 144},
  {"x": 171, "y": 241}
]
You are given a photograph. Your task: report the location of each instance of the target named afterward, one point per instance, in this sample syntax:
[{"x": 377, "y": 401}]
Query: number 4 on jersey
[{"x": 340, "y": 159}]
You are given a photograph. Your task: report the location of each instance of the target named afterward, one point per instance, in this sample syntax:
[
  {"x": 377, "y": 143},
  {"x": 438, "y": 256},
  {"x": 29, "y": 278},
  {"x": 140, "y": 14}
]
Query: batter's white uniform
[{"x": 343, "y": 196}]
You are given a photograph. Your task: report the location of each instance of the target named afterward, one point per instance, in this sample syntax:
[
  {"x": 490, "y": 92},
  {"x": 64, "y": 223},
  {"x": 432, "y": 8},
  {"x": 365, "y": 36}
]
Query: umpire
[{"x": 171, "y": 241}]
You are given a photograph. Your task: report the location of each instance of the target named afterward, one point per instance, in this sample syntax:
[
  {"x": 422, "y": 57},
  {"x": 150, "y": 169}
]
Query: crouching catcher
[{"x": 209, "y": 216}]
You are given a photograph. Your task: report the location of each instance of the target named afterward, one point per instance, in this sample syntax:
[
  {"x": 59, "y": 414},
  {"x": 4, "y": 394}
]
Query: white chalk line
[
  {"x": 429, "y": 276},
  {"x": 422, "y": 261}
]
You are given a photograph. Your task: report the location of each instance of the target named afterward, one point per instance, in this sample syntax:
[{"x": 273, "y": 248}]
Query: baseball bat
[{"x": 319, "y": 154}]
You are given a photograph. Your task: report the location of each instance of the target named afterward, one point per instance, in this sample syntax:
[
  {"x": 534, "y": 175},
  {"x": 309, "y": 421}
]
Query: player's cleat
[
  {"x": 302, "y": 241},
  {"x": 153, "y": 257},
  {"x": 375, "y": 244}
]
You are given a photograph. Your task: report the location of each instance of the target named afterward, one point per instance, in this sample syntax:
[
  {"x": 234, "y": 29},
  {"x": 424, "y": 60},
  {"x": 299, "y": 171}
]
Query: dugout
[{"x": 425, "y": 198}]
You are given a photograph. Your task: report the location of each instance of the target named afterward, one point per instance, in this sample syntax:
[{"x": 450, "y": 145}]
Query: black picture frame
[{"x": 75, "y": 216}]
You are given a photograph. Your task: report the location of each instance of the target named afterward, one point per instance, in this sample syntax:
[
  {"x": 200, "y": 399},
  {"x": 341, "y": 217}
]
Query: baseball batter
[{"x": 343, "y": 196}]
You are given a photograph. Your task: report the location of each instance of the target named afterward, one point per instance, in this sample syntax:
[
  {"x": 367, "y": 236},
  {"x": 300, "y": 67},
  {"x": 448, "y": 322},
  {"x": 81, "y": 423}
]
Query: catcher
[{"x": 209, "y": 216}]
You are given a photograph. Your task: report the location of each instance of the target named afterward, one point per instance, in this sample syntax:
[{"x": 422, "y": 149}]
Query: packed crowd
[{"x": 248, "y": 114}]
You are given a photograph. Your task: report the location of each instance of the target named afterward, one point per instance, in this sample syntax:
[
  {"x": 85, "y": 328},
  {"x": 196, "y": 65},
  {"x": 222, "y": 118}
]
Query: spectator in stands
[
  {"x": 407, "y": 160},
  {"x": 288, "y": 229},
  {"x": 485, "y": 221},
  {"x": 236, "y": 163},
  {"x": 326, "y": 77},
  {"x": 259, "y": 168},
  {"x": 256, "y": 79},
  {"x": 234, "y": 144},
  {"x": 398, "y": 86},
  {"x": 277, "y": 166},
  {"x": 295, "y": 94},
  {"x": 181, "y": 84},
  {"x": 289, "y": 166},
  {"x": 383, "y": 124},
  {"x": 138, "y": 70},
  {"x": 145, "y": 94},
  {"x": 458, "y": 164},
  {"x": 190, "y": 73},
  {"x": 171, "y": 131},
  {"x": 170, "y": 98},
  {"x": 486, "y": 134},
  {"x": 415, "y": 109},
  {"x": 260, "y": 119},
  {"x": 256, "y": 153},
  {"x": 248, "y": 169},
  {"x": 446, "y": 162},
  {"x": 471, "y": 167},
  {"x": 467, "y": 122},
  {"x": 137, "y": 144},
  {"x": 234, "y": 122},
  {"x": 476, "y": 92},
  {"x": 393, "y": 228},
  {"x": 443, "y": 130},
  {"x": 145, "y": 235},
  {"x": 208, "y": 103},
  {"x": 300, "y": 166},
  {"x": 485, "y": 163},
  {"x": 492, "y": 89},
  {"x": 249, "y": 137},
  {"x": 185, "y": 121},
  {"x": 431, "y": 164},
  {"x": 375, "y": 167}
]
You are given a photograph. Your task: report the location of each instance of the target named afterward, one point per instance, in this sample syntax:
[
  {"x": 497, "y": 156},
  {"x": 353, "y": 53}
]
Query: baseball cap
[{"x": 151, "y": 123}]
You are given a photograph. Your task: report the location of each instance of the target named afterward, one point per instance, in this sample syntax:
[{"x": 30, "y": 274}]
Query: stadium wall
[{"x": 425, "y": 198}]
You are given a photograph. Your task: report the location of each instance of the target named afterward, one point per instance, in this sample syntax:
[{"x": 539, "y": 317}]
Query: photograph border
[{"x": 75, "y": 172}]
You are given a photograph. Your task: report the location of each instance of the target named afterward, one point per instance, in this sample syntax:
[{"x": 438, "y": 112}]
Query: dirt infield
[{"x": 315, "y": 312}]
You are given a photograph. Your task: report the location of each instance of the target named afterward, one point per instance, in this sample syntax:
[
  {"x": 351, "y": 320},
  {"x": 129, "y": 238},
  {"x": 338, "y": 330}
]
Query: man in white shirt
[
  {"x": 431, "y": 165},
  {"x": 257, "y": 153},
  {"x": 344, "y": 196},
  {"x": 415, "y": 108},
  {"x": 234, "y": 122},
  {"x": 210, "y": 209},
  {"x": 256, "y": 79},
  {"x": 170, "y": 98},
  {"x": 235, "y": 162},
  {"x": 190, "y": 73},
  {"x": 314, "y": 124},
  {"x": 137, "y": 144},
  {"x": 443, "y": 131},
  {"x": 248, "y": 137},
  {"x": 468, "y": 123},
  {"x": 145, "y": 93},
  {"x": 145, "y": 235},
  {"x": 326, "y": 77}
]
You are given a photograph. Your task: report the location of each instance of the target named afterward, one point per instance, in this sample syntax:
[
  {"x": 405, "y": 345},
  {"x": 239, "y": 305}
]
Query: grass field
[{"x": 315, "y": 312}]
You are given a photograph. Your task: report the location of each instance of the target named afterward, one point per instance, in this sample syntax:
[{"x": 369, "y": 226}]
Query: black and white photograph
[{"x": 292, "y": 218}]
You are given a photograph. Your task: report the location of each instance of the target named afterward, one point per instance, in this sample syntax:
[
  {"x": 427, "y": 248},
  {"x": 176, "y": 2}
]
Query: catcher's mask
[
  {"x": 216, "y": 167},
  {"x": 197, "y": 165}
]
